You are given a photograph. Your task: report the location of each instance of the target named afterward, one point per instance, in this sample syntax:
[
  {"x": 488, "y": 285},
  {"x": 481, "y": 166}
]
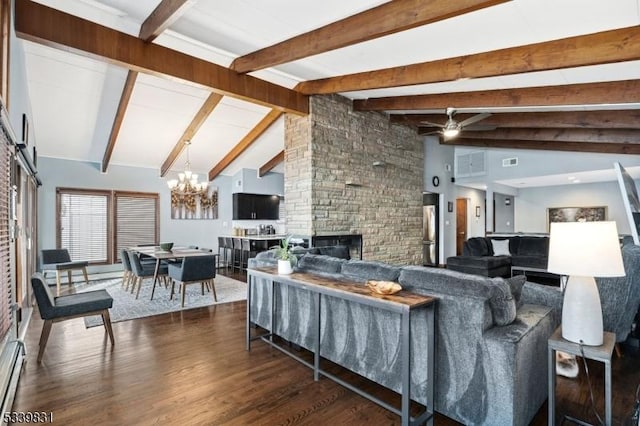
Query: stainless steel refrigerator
[{"x": 430, "y": 223}]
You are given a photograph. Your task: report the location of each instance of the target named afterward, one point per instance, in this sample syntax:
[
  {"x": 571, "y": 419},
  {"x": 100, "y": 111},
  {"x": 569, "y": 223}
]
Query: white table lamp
[{"x": 583, "y": 250}]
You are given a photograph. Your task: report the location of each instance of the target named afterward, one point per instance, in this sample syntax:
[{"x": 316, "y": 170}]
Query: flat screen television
[{"x": 630, "y": 200}]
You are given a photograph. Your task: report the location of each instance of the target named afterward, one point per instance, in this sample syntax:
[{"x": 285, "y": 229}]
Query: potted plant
[{"x": 286, "y": 259}]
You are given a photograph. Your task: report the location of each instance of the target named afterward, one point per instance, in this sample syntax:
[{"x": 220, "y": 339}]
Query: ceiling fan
[{"x": 452, "y": 128}]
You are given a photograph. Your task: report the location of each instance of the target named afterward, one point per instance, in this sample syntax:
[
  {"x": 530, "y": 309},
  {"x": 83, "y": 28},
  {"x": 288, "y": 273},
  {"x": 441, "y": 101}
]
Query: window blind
[
  {"x": 136, "y": 220},
  {"x": 6, "y": 313},
  {"x": 83, "y": 225}
]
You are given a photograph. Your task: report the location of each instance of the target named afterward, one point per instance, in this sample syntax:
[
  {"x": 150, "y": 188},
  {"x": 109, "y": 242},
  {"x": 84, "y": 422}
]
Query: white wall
[
  {"x": 532, "y": 203},
  {"x": 504, "y": 214}
]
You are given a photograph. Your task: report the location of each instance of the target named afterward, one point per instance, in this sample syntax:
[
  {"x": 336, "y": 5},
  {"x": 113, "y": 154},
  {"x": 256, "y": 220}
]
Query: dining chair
[
  {"x": 196, "y": 269},
  {"x": 56, "y": 309},
  {"x": 59, "y": 260},
  {"x": 128, "y": 272},
  {"x": 142, "y": 271}
]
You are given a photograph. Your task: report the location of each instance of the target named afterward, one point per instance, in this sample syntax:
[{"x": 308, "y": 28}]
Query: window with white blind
[
  {"x": 92, "y": 230},
  {"x": 83, "y": 224},
  {"x": 6, "y": 278},
  {"x": 136, "y": 220}
]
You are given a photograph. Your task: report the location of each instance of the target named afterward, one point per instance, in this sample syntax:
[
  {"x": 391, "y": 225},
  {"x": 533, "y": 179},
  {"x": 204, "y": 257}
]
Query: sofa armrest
[{"x": 538, "y": 294}]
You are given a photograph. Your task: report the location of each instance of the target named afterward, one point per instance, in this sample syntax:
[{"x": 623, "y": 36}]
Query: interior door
[{"x": 461, "y": 224}]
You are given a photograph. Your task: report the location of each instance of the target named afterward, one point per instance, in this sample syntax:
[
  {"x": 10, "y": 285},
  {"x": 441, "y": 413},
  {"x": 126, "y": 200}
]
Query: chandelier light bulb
[
  {"x": 181, "y": 177},
  {"x": 187, "y": 174}
]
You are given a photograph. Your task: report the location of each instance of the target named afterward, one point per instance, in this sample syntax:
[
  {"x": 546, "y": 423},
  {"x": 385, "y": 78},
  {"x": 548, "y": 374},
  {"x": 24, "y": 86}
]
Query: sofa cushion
[
  {"x": 495, "y": 290},
  {"x": 500, "y": 247},
  {"x": 361, "y": 270},
  {"x": 533, "y": 246},
  {"x": 488, "y": 262},
  {"x": 530, "y": 261},
  {"x": 476, "y": 246},
  {"x": 320, "y": 263}
]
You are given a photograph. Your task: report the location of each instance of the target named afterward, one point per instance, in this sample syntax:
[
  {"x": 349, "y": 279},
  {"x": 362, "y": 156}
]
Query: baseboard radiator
[{"x": 11, "y": 360}]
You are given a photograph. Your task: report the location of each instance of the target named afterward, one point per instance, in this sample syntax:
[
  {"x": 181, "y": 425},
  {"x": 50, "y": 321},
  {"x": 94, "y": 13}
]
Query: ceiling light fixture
[
  {"x": 187, "y": 182},
  {"x": 451, "y": 129}
]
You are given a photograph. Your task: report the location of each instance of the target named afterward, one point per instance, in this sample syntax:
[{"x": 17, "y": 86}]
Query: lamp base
[{"x": 582, "y": 312}]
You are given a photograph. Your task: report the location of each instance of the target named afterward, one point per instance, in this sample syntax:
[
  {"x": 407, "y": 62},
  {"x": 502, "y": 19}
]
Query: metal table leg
[
  {"x": 607, "y": 393},
  {"x": 248, "y": 311},
  {"x": 316, "y": 326},
  {"x": 405, "y": 330},
  {"x": 552, "y": 387}
]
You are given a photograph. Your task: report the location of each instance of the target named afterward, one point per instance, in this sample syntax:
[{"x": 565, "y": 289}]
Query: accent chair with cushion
[
  {"x": 55, "y": 309},
  {"x": 59, "y": 260}
]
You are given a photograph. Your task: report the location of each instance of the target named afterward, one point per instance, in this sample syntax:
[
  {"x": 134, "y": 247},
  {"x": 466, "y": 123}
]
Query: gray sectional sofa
[
  {"x": 491, "y": 333},
  {"x": 478, "y": 256}
]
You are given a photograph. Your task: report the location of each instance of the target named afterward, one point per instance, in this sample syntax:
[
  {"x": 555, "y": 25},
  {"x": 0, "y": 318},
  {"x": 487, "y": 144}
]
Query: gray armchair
[
  {"x": 619, "y": 296},
  {"x": 197, "y": 269},
  {"x": 55, "y": 309},
  {"x": 60, "y": 260}
]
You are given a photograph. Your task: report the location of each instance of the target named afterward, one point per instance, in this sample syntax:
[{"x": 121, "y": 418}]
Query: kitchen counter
[{"x": 265, "y": 237}]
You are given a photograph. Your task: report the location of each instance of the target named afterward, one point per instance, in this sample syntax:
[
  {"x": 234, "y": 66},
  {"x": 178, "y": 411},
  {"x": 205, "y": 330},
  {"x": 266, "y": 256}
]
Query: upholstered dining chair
[
  {"x": 127, "y": 275},
  {"x": 144, "y": 270},
  {"x": 56, "y": 309},
  {"x": 59, "y": 260},
  {"x": 196, "y": 269}
]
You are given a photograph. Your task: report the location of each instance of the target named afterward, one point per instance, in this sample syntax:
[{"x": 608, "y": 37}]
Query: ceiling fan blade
[
  {"x": 480, "y": 128},
  {"x": 474, "y": 119},
  {"x": 430, "y": 124},
  {"x": 435, "y": 132}
]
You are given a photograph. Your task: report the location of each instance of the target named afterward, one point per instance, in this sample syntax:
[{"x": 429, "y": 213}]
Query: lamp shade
[{"x": 590, "y": 249}]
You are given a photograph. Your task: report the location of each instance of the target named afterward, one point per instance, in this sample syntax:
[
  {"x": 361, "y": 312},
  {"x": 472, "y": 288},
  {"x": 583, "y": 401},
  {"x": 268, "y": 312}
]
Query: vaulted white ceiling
[{"x": 74, "y": 99}]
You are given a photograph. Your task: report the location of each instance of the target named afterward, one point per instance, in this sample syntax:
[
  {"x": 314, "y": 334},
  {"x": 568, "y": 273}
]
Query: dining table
[{"x": 176, "y": 252}]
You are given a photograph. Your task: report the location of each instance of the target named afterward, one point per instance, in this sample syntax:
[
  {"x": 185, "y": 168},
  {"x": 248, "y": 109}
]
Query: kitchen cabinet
[{"x": 255, "y": 207}]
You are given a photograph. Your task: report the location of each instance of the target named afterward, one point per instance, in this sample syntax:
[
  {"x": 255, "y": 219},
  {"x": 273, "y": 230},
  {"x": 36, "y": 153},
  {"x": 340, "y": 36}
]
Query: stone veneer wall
[{"x": 334, "y": 145}]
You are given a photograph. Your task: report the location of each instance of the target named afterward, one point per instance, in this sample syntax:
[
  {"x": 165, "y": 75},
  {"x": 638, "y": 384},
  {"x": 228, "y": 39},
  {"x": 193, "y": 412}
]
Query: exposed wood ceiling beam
[
  {"x": 166, "y": 13},
  {"x": 201, "y": 116},
  {"x": 53, "y": 28},
  {"x": 119, "y": 118},
  {"x": 388, "y": 18},
  {"x": 567, "y": 135},
  {"x": 616, "y": 92},
  {"x": 600, "y": 48},
  {"x": 269, "y": 165},
  {"x": 604, "y": 119},
  {"x": 161, "y": 17},
  {"x": 608, "y": 148},
  {"x": 245, "y": 143}
]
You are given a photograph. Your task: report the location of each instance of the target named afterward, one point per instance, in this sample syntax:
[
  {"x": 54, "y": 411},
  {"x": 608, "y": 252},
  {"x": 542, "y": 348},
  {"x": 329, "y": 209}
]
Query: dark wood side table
[{"x": 597, "y": 353}]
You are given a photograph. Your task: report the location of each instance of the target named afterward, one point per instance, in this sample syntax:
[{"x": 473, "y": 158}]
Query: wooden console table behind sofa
[{"x": 402, "y": 303}]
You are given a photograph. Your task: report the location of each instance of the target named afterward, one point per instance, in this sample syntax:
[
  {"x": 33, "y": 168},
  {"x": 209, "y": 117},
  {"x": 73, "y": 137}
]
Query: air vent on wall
[
  {"x": 509, "y": 162},
  {"x": 471, "y": 164}
]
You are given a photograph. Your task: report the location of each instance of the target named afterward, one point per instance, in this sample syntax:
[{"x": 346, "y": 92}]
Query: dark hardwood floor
[{"x": 192, "y": 368}]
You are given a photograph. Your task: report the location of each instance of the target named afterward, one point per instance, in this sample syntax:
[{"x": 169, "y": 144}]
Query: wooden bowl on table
[{"x": 384, "y": 287}]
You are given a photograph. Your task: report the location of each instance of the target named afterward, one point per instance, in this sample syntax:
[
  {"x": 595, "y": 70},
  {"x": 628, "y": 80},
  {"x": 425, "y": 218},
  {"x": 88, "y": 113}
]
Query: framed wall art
[{"x": 575, "y": 214}]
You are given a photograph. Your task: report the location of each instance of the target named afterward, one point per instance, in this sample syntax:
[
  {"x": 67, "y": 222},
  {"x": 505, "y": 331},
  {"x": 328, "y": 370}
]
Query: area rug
[{"x": 127, "y": 307}]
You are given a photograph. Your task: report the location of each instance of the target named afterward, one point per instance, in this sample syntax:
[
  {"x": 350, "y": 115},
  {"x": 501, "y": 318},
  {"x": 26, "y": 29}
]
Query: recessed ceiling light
[
  {"x": 571, "y": 177},
  {"x": 576, "y": 181}
]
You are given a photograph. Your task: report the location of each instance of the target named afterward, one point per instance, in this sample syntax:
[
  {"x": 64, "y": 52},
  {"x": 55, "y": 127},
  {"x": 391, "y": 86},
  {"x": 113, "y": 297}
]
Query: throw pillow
[
  {"x": 503, "y": 304},
  {"x": 516, "y": 283},
  {"x": 500, "y": 247}
]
